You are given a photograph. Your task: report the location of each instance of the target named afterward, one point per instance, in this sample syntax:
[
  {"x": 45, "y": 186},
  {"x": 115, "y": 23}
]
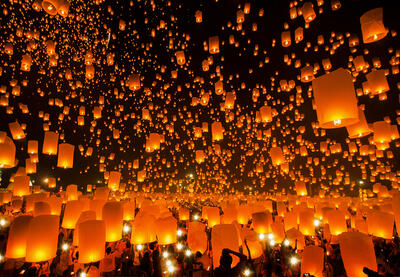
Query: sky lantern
[
  {"x": 129, "y": 210},
  {"x": 200, "y": 156},
  {"x": 266, "y": 114},
  {"x": 377, "y": 81},
  {"x": 7, "y": 153},
  {"x": 92, "y": 240},
  {"x": 143, "y": 229},
  {"x": 372, "y": 26},
  {"x": 357, "y": 251},
  {"x": 276, "y": 156},
  {"x": 301, "y": 188},
  {"x": 33, "y": 146},
  {"x": 199, "y": 16},
  {"x": 286, "y": 40},
  {"x": 336, "y": 221},
  {"x": 71, "y": 192},
  {"x": 50, "y": 143},
  {"x": 308, "y": 12},
  {"x": 180, "y": 57},
  {"x": 21, "y": 186},
  {"x": 65, "y": 155},
  {"x": 85, "y": 216},
  {"x": 230, "y": 215},
  {"x": 224, "y": 236},
  {"x": 16, "y": 130},
  {"x": 253, "y": 244},
  {"x": 113, "y": 216},
  {"x": 359, "y": 129},
  {"x": 166, "y": 230},
  {"x": 217, "y": 131},
  {"x": 278, "y": 230},
  {"x": 306, "y": 223},
  {"x": 41, "y": 208},
  {"x": 338, "y": 111},
  {"x": 213, "y": 216},
  {"x": 42, "y": 238},
  {"x": 213, "y": 45},
  {"x": 73, "y": 210},
  {"x": 17, "y": 238},
  {"x": 262, "y": 222},
  {"x": 312, "y": 261},
  {"x": 114, "y": 180},
  {"x": 197, "y": 237},
  {"x": 382, "y": 132},
  {"x": 380, "y": 224},
  {"x": 26, "y": 62}
]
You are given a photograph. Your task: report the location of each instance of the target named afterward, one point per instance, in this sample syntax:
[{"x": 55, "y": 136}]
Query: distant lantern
[
  {"x": 266, "y": 114},
  {"x": 17, "y": 238},
  {"x": 16, "y": 130},
  {"x": 286, "y": 41},
  {"x": 357, "y": 251},
  {"x": 312, "y": 261},
  {"x": 180, "y": 57},
  {"x": 89, "y": 72},
  {"x": 217, "y": 131},
  {"x": 382, "y": 132},
  {"x": 113, "y": 216},
  {"x": 276, "y": 155},
  {"x": 336, "y": 221},
  {"x": 52, "y": 6},
  {"x": 92, "y": 239},
  {"x": 219, "y": 87},
  {"x": 33, "y": 146},
  {"x": 372, "y": 26},
  {"x": 377, "y": 81},
  {"x": 200, "y": 156},
  {"x": 7, "y": 153},
  {"x": 307, "y": 74},
  {"x": 26, "y": 62},
  {"x": 361, "y": 128},
  {"x": 306, "y": 223},
  {"x": 114, "y": 180},
  {"x": 42, "y": 238},
  {"x": 65, "y": 155},
  {"x": 199, "y": 16},
  {"x": 213, "y": 45},
  {"x": 262, "y": 222},
  {"x": 166, "y": 230},
  {"x": 50, "y": 143},
  {"x": 335, "y": 99},
  {"x": 301, "y": 188},
  {"x": 134, "y": 82},
  {"x": 308, "y": 12}
]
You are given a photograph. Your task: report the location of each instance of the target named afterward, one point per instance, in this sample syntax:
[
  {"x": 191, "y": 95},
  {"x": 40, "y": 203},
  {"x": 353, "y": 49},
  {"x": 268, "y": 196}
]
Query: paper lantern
[
  {"x": 17, "y": 238},
  {"x": 262, "y": 222},
  {"x": 55, "y": 205},
  {"x": 290, "y": 220},
  {"x": 21, "y": 185},
  {"x": 230, "y": 215},
  {"x": 26, "y": 62},
  {"x": 33, "y": 146},
  {"x": 253, "y": 244},
  {"x": 217, "y": 131},
  {"x": 16, "y": 131},
  {"x": 312, "y": 261},
  {"x": 96, "y": 205},
  {"x": 166, "y": 229},
  {"x": 213, "y": 216},
  {"x": 143, "y": 229},
  {"x": 71, "y": 192},
  {"x": 41, "y": 208},
  {"x": 377, "y": 81},
  {"x": 338, "y": 111},
  {"x": 382, "y": 132},
  {"x": 65, "y": 155},
  {"x": 134, "y": 82},
  {"x": 113, "y": 180},
  {"x": 357, "y": 251},
  {"x": 224, "y": 236},
  {"x": 276, "y": 156},
  {"x": 50, "y": 143},
  {"x": 336, "y": 221},
  {"x": 266, "y": 114},
  {"x": 308, "y": 12},
  {"x": 197, "y": 237},
  {"x": 359, "y": 129},
  {"x": 113, "y": 216},
  {"x": 92, "y": 241},
  {"x": 213, "y": 45},
  {"x": 85, "y": 216},
  {"x": 372, "y": 27},
  {"x": 7, "y": 153},
  {"x": 278, "y": 230},
  {"x": 101, "y": 193},
  {"x": 42, "y": 238},
  {"x": 129, "y": 210},
  {"x": 380, "y": 224},
  {"x": 184, "y": 214},
  {"x": 301, "y": 188},
  {"x": 180, "y": 57},
  {"x": 286, "y": 41},
  {"x": 306, "y": 223},
  {"x": 73, "y": 210}
]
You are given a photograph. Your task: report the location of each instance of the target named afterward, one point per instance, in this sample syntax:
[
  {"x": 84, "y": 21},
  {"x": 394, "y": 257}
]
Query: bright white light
[
  {"x": 179, "y": 246},
  {"x": 270, "y": 236},
  {"x": 272, "y": 242},
  {"x": 246, "y": 272},
  {"x": 188, "y": 253},
  {"x": 171, "y": 269},
  {"x": 190, "y": 175},
  {"x": 83, "y": 274},
  {"x": 316, "y": 222},
  {"x": 165, "y": 255},
  {"x": 261, "y": 236},
  {"x": 168, "y": 263},
  {"x": 179, "y": 233},
  {"x": 337, "y": 122},
  {"x": 286, "y": 242},
  {"x": 294, "y": 260},
  {"x": 196, "y": 217},
  {"x": 1, "y": 258},
  {"x": 65, "y": 246},
  {"x": 2, "y": 222},
  {"x": 139, "y": 247},
  {"x": 126, "y": 228}
]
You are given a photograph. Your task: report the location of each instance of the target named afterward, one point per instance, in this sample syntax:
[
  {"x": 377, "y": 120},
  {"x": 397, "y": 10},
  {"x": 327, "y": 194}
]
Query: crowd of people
[{"x": 153, "y": 260}]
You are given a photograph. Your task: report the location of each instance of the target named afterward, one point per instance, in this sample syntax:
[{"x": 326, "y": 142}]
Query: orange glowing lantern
[
  {"x": 7, "y": 153},
  {"x": 65, "y": 155},
  {"x": 17, "y": 238},
  {"x": 372, "y": 25},
  {"x": 42, "y": 238},
  {"x": 50, "y": 143},
  {"x": 380, "y": 224},
  {"x": 224, "y": 236},
  {"x": 262, "y": 222},
  {"x": 143, "y": 229},
  {"x": 92, "y": 240},
  {"x": 312, "y": 261},
  {"x": 72, "y": 212},
  {"x": 21, "y": 185},
  {"x": 166, "y": 230},
  {"x": 114, "y": 180},
  {"x": 113, "y": 216}
]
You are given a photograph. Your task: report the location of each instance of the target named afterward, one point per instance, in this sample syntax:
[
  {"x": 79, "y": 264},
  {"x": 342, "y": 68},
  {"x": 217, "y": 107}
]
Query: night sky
[{"x": 255, "y": 61}]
